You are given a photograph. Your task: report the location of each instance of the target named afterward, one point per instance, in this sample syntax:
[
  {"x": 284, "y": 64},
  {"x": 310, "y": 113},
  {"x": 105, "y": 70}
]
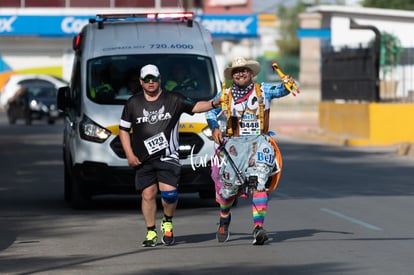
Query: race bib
[
  {"x": 249, "y": 127},
  {"x": 156, "y": 143}
]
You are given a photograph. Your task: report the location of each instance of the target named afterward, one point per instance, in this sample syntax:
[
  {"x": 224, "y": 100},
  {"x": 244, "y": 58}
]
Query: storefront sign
[
  {"x": 42, "y": 25},
  {"x": 220, "y": 26},
  {"x": 231, "y": 26}
]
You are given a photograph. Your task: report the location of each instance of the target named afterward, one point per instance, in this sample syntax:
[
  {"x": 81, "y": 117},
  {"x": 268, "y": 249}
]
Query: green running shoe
[
  {"x": 151, "y": 239},
  {"x": 167, "y": 233}
]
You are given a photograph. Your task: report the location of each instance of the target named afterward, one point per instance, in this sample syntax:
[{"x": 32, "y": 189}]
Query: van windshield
[{"x": 113, "y": 79}]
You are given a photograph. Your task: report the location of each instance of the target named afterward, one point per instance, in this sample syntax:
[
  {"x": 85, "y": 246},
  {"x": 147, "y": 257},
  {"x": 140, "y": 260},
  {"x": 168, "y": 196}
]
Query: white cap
[{"x": 149, "y": 70}]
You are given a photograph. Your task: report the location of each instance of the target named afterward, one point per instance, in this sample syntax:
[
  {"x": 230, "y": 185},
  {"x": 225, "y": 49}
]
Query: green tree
[
  {"x": 391, "y": 51},
  {"x": 389, "y": 4},
  {"x": 289, "y": 23},
  {"x": 390, "y": 54}
]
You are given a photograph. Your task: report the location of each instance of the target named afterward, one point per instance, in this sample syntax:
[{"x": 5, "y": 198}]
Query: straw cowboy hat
[{"x": 240, "y": 62}]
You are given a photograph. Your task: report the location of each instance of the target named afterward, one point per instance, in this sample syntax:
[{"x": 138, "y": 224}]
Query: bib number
[
  {"x": 249, "y": 127},
  {"x": 156, "y": 143}
]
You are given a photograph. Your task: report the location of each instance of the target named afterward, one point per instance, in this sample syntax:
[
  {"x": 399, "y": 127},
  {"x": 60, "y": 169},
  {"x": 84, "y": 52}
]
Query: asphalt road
[{"x": 337, "y": 211}]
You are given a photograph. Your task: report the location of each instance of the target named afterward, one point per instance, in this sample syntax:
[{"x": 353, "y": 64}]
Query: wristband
[{"x": 212, "y": 104}]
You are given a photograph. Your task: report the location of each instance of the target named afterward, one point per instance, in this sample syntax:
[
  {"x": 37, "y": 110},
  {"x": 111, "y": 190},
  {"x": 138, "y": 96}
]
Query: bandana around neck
[{"x": 240, "y": 94}]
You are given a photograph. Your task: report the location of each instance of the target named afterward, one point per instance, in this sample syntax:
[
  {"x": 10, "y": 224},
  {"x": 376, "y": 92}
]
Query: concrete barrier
[{"x": 368, "y": 123}]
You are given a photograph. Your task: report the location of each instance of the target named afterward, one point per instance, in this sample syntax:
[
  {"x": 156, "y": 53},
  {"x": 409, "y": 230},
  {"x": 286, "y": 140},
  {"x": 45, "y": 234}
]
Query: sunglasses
[
  {"x": 147, "y": 79},
  {"x": 239, "y": 71}
]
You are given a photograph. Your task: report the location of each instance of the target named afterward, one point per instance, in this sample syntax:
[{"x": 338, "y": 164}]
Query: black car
[{"x": 34, "y": 103}]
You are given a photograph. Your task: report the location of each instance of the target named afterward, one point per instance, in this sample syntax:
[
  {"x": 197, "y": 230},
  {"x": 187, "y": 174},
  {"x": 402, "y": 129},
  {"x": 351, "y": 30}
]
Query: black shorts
[{"x": 154, "y": 171}]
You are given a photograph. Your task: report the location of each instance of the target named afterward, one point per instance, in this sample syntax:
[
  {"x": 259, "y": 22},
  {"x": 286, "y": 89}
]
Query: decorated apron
[{"x": 248, "y": 156}]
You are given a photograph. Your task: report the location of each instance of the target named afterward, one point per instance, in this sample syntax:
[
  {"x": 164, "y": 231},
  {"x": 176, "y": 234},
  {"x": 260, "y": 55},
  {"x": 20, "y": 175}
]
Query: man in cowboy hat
[{"x": 247, "y": 105}]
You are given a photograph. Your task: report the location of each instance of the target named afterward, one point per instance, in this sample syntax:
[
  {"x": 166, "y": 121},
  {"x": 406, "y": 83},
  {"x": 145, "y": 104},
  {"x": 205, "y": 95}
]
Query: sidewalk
[
  {"x": 296, "y": 116},
  {"x": 288, "y": 121},
  {"x": 294, "y": 121}
]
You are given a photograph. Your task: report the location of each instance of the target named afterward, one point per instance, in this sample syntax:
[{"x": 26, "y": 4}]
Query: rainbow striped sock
[
  {"x": 259, "y": 208},
  {"x": 225, "y": 205}
]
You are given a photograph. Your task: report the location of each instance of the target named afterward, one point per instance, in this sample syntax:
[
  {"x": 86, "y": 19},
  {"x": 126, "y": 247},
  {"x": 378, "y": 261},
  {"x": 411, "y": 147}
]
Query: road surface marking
[{"x": 353, "y": 220}]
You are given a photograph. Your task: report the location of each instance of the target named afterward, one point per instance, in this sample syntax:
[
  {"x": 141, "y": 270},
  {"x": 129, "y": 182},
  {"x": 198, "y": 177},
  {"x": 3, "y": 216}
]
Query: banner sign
[
  {"x": 42, "y": 25},
  {"x": 220, "y": 26},
  {"x": 231, "y": 26}
]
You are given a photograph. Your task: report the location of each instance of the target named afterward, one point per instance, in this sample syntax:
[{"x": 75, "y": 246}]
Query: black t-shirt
[{"x": 155, "y": 124}]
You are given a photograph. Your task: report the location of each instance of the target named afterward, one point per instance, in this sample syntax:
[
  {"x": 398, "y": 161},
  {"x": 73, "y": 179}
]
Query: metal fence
[
  {"x": 355, "y": 74},
  {"x": 404, "y": 76},
  {"x": 350, "y": 74}
]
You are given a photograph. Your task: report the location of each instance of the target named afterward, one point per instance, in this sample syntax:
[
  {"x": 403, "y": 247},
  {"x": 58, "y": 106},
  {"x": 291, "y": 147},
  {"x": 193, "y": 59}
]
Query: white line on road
[{"x": 353, "y": 220}]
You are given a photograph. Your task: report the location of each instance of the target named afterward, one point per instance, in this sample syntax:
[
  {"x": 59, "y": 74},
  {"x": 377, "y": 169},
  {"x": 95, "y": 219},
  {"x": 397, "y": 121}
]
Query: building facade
[{"x": 330, "y": 27}]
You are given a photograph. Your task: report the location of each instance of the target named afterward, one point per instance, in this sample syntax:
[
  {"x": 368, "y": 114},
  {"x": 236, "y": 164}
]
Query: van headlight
[
  {"x": 207, "y": 132},
  {"x": 35, "y": 105},
  {"x": 91, "y": 131}
]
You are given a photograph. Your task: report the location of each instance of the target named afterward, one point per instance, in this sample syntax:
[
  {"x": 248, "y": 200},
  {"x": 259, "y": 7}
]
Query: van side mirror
[{"x": 63, "y": 98}]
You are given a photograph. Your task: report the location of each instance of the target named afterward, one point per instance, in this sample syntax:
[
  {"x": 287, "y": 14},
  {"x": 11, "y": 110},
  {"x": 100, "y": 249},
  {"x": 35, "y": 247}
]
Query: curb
[
  {"x": 319, "y": 136},
  {"x": 405, "y": 149}
]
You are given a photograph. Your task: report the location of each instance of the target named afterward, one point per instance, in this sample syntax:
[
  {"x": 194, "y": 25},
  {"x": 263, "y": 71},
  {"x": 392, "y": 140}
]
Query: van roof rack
[{"x": 187, "y": 17}]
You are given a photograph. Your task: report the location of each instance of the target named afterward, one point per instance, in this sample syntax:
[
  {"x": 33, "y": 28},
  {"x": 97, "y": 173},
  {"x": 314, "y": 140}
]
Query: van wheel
[
  {"x": 12, "y": 119},
  {"x": 79, "y": 199},
  {"x": 209, "y": 194},
  {"x": 28, "y": 120},
  {"x": 66, "y": 184}
]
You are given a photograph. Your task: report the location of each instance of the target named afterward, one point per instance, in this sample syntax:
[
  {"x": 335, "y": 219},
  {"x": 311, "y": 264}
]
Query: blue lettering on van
[{"x": 171, "y": 46}]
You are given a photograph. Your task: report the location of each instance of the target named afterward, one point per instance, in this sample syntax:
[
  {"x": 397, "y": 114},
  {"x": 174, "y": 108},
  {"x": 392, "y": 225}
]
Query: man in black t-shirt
[{"x": 152, "y": 147}]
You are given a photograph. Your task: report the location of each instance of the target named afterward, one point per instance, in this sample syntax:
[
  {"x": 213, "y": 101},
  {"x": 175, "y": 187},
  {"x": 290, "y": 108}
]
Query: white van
[{"x": 108, "y": 51}]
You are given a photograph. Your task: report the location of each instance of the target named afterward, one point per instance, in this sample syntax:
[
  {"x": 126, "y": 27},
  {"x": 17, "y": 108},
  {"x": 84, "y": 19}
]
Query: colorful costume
[
  {"x": 247, "y": 141},
  {"x": 250, "y": 158}
]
